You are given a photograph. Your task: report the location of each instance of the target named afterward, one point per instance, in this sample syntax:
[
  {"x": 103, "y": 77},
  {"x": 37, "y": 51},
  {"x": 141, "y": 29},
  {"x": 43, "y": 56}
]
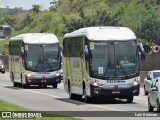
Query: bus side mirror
[
  {"x": 22, "y": 52},
  {"x": 86, "y": 52},
  {"x": 60, "y": 50},
  {"x": 142, "y": 51}
]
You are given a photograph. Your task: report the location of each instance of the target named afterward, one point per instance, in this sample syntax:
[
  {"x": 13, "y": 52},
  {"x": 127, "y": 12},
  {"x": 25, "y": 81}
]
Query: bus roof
[
  {"x": 104, "y": 33},
  {"x": 36, "y": 38},
  {"x": 5, "y": 26}
]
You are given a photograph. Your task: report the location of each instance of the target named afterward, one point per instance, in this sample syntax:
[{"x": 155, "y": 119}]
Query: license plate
[
  {"x": 115, "y": 91},
  {"x": 43, "y": 81}
]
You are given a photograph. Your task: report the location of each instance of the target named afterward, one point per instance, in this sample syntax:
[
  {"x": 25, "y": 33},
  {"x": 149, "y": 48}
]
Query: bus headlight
[
  {"x": 57, "y": 74},
  {"x": 28, "y": 75},
  {"x": 135, "y": 83},
  {"x": 95, "y": 84},
  {"x": 93, "y": 81},
  {"x": 2, "y": 66}
]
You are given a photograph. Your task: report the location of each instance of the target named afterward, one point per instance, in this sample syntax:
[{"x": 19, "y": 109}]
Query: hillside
[{"x": 68, "y": 15}]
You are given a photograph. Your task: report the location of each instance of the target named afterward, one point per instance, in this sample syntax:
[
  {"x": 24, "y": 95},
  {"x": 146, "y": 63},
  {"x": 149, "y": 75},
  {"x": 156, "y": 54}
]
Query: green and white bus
[
  {"x": 35, "y": 59},
  {"x": 93, "y": 63}
]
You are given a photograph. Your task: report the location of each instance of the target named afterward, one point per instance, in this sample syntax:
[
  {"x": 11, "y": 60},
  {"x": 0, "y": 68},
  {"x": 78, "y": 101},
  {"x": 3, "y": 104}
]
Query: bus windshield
[
  {"x": 7, "y": 30},
  {"x": 113, "y": 59},
  {"x": 44, "y": 58}
]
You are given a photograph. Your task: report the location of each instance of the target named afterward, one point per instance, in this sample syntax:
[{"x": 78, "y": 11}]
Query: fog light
[
  {"x": 29, "y": 80},
  {"x": 96, "y": 92},
  {"x": 134, "y": 91}
]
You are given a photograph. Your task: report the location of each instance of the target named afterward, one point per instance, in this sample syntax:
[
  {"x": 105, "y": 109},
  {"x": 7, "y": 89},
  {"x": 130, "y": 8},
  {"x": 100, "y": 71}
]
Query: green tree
[
  {"x": 36, "y": 8},
  {"x": 26, "y": 22},
  {"x": 11, "y": 20}
]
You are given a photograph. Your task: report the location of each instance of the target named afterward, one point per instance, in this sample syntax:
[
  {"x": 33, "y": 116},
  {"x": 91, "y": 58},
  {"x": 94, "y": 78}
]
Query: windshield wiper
[
  {"x": 39, "y": 61},
  {"x": 105, "y": 72},
  {"x": 123, "y": 70},
  {"x": 49, "y": 65}
]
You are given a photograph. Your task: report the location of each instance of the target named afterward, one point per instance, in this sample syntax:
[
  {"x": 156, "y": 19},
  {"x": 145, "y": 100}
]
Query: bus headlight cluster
[
  {"x": 93, "y": 81},
  {"x": 58, "y": 73},
  {"x": 2, "y": 66},
  {"x": 28, "y": 75},
  {"x": 135, "y": 82}
]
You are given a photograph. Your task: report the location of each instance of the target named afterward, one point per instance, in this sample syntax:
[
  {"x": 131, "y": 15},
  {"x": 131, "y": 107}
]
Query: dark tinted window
[
  {"x": 1, "y": 28},
  {"x": 73, "y": 47},
  {"x": 156, "y": 74},
  {"x": 15, "y": 47}
]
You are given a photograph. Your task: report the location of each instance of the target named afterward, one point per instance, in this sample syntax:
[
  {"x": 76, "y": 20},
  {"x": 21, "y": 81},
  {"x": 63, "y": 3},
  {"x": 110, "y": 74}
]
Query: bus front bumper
[
  {"x": 115, "y": 92},
  {"x": 45, "y": 81}
]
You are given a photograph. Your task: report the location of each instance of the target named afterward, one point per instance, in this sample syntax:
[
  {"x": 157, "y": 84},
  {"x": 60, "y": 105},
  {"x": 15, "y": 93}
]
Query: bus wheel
[
  {"x": 150, "y": 108},
  {"x": 55, "y": 85},
  {"x": 145, "y": 92},
  {"x": 130, "y": 99},
  {"x": 15, "y": 84},
  {"x": 87, "y": 98},
  {"x": 79, "y": 97},
  {"x": 71, "y": 95},
  {"x": 3, "y": 71},
  {"x": 158, "y": 106}
]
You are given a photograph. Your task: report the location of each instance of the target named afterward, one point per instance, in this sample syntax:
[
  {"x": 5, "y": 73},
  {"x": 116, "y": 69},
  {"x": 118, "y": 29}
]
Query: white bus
[
  {"x": 5, "y": 31},
  {"x": 94, "y": 63},
  {"x": 35, "y": 59}
]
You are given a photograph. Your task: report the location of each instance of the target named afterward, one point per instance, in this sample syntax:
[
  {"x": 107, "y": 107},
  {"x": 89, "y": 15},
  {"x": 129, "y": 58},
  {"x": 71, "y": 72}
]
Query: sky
[{"x": 25, "y": 4}]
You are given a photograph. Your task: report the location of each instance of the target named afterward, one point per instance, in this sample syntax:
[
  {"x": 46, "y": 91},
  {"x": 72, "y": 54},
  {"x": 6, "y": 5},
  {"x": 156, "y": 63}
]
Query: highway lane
[{"x": 49, "y": 99}]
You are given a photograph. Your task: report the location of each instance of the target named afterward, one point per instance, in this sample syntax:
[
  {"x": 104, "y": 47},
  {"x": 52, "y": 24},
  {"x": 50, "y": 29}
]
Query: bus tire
[
  {"x": 79, "y": 97},
  {"x": 15, "y": 84},
  {"x": 55, "y": 85},
  {"x": 23, "y": 84},
  {"x": 71, "y": 95},
  {"x": 150, "y": 108},
  {"x": 87, "y": 98},
  {"x": 129, "y": 99},
  {"x": 158, "y": 106},
  {"x": 145, "y": 92}
]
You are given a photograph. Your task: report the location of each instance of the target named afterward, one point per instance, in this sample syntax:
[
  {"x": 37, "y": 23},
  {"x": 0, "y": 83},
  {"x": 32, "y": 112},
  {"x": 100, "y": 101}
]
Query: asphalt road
[{"x": 49, "y": 99}]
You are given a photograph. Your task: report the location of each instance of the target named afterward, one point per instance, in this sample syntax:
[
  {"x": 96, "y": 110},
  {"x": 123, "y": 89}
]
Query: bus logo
[
  {"x": 116, "y": 86},
  {"x": 6, "y": 115}
]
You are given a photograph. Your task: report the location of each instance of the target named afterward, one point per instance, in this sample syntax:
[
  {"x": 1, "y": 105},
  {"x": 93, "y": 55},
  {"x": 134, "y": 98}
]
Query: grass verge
[{"x": 8, "y": 107}]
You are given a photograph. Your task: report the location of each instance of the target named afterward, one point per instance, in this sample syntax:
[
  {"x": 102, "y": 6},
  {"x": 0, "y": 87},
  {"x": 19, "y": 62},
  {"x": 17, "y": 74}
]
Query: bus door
[{"x": 77, "y": 75}]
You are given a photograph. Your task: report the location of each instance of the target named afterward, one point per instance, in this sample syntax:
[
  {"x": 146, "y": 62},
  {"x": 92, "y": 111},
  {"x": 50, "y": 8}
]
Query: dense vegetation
[{"x": 142, "y": 16}]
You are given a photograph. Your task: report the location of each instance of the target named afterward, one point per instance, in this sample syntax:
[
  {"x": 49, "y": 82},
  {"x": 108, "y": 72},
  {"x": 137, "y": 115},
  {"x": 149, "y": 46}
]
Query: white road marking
[
  {"x": 74, "y": 101},
  {"x": 42, "y": 93},
  {"x": 140, "y": 98},
  {"x": 3, "y": 85},
  {"x": 107, "y": 108}
]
